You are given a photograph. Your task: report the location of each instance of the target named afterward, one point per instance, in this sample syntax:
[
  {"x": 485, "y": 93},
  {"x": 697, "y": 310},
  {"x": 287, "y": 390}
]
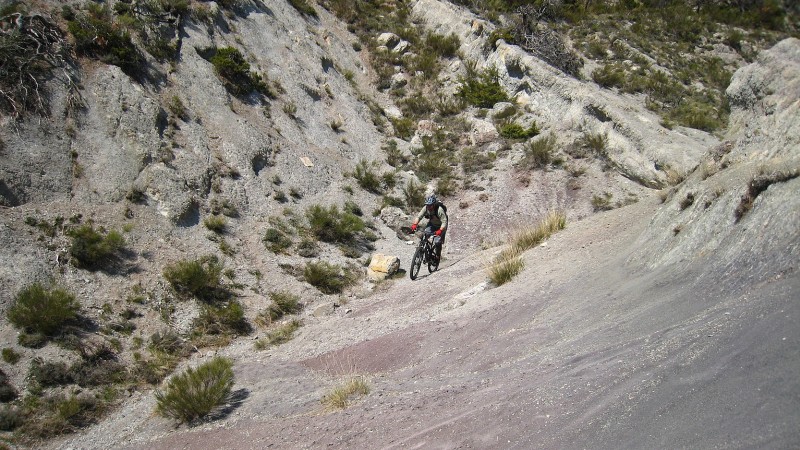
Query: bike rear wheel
[{"x": 416, "y": 263}]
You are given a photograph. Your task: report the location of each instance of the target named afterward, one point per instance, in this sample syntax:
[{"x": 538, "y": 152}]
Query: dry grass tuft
[
  {"x": 509, "y": 263},
  {"x": 344, "y": 395}
]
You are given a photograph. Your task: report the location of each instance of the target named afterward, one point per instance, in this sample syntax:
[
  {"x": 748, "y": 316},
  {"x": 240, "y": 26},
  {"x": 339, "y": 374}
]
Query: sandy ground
[{"x": 584, "y": 349}]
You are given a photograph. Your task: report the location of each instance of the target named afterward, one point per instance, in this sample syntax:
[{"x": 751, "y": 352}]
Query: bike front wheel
[{"x": 416, "y": 263}]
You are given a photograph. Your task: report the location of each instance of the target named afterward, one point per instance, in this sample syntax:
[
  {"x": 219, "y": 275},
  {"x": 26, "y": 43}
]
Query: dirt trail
[{"x": 582, "y": 350}]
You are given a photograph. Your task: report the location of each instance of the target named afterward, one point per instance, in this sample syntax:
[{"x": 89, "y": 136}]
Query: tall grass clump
[
  {"x": 196, "y": 392},
  {"x": 217, "y": 224},
  {"x": 509, "y": 263},
  {"x": 44, "y": 311},
  {"x": 539, "y": 153},
  {"x": 345, "y": 395}
]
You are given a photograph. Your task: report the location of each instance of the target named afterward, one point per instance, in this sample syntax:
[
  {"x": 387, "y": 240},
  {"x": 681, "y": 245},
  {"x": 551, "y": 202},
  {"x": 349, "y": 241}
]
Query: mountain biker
[{"x": 436, "y": 213}]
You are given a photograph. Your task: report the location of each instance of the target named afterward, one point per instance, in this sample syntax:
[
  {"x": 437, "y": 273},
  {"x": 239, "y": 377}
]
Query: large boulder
[{"x": 382, "y": 266}]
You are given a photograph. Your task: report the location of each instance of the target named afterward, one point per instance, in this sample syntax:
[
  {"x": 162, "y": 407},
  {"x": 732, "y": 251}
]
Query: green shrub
[
  {"x": 610, "y": 75},
  {"x": 308, "y": 248},
  {"x": 49, "y": 374},
  {"x": 596, "y": 142},
  {"x": 328, "y": 278},
  {"x": 57, "y": 414},
  {"x": 196, "y": 392},
  {"x": 303, "y": 7},
  {"x": 503, "y": 33},
  {"x": 513, "y": 130},
  {"x": 7, "y": 391},
  {"x": 331, "y": 225},
  {"x": 404, "y": 127},
  {"x": 91, "y": 249},
  {"x": 97, "y": 36},
  {"x": 217, "y": 224},
  {"x": 11, "y": 417},
  {"x": 414, "y": 194},
  {"x": 200, "y": 278},
  {"x": 222, "y": 320},
  {"x": 10, "y": 356},
  {"x": 235, "y": 73},
  {"x": 394, "y": 156},
  {"x": 366, "y": 177},
  {"x": 276, "y": 240},
  {"x": 41, "y": 311},
  {"x": 694, "y": 114},
  {"x": 482, "y": 89},
  {"x": 473, "y": 160},
  {"x": 444, "y": 46}
]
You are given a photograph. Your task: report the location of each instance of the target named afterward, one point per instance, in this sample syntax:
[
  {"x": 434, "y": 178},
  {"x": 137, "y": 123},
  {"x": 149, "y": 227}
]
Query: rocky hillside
[{"x": 231, "y": 153}]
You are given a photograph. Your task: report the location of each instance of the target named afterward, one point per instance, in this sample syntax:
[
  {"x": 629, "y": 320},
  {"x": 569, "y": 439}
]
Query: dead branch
[{"x": 33, "y": 50}]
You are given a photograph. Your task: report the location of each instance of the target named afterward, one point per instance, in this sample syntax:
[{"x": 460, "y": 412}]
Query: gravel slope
[{"x": 583, "y": 350}]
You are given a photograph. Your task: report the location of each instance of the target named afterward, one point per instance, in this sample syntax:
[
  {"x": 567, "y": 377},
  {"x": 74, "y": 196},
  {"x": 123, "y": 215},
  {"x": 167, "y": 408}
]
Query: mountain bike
[{"x": 425, "y": 253}]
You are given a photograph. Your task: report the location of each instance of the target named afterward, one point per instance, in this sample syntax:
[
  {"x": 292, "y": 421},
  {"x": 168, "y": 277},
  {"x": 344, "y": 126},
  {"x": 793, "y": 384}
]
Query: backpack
[{"x": 440, "y": 204}]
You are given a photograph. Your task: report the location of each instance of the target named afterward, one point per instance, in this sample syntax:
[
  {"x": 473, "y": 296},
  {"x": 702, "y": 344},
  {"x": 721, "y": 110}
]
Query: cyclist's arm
[{"x": 419, "y": 216}]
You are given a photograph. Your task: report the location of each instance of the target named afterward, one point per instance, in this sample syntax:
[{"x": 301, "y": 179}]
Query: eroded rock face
[
  {"x": 740, "y": 206},
  {"x": 638, "y": 147}
]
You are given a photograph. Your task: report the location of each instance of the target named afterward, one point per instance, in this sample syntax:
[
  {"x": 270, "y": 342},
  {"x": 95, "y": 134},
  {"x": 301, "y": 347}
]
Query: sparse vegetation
[
  {"x": 303, "y": 7},
  {"x": 760, "y": 184},
  {"x": 283, "y": 303},
  {"x": 512, "y": 130},
  {"x": 196, "y": 392},
  {"x": 97, "y": 36},
  {"x": 279, "y": 335},
  {"x": 32, "y": 50},
  {"x": 364, "y": 173},
  {"x": 602, "y": 202}
]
